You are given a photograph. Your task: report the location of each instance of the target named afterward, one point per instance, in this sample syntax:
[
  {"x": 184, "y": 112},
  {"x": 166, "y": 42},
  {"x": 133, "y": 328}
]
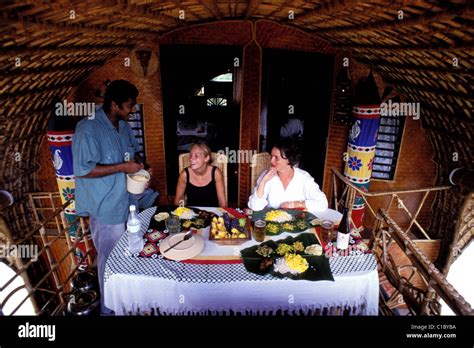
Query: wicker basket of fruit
[{"x": 229, "y": 230}]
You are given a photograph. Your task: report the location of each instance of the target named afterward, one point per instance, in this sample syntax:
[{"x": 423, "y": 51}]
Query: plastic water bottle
[{"x": 135, "y": 238}]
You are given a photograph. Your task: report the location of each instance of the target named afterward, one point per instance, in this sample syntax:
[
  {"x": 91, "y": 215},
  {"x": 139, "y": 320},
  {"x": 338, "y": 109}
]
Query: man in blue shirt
[{"x": 104, "y": 150}]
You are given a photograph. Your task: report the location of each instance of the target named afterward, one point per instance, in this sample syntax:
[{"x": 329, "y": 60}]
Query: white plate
[{"x": 183, "y": 251}]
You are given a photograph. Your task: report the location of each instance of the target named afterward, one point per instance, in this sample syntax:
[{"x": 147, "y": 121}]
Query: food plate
[
  {"x": 226, "y": 240},
  {"x": 300, "y": 221},
  {"x": 183, "y": 251},
  {"x": 200, "y": 219},
  {"x": 318, "y": 266}
]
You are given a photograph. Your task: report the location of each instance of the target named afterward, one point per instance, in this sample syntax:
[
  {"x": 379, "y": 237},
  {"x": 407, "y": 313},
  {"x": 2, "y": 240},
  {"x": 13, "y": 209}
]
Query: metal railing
[
  {"x": 419, "y": 300},
  {"x": 47, "y": 214}
]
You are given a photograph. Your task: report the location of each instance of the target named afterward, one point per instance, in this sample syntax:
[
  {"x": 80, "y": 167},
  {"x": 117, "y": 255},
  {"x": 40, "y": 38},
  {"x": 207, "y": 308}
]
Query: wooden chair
[
  {"x": 218, "y": 159},
  {"x": 260, "y": 162}
]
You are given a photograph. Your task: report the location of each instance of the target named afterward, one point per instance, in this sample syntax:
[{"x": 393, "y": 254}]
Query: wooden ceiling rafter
[
  {"x": 428, "y": 58},
  {"x": 426, "y": 47},
  {"x": 107, "y": 6},
  {"x": 279, "y": 8},
  {"x": 391, "y": 38},
  {"x": 459, "y": 113},
  {"x": 330, "y": 23},
  {"x": 212, "y": 7},
  {"x": 423, "y": 81},
  {"x": 59, "y": 67},
  {"x": 464, "y": 129},
  {"x": 403, "y": 82},
  {"x": 392, "y": 66},
  {"x": 445, "y": 14},
  {"x": 252, "y": 5},
  {"x": 74, "y": 30},
  {"x": 329, "y": 8},
  {"x": 179, "y": 6},
  {"x": 415, "y": 37},
  {"x": 66, "y": 80},
  {"x": 76, "y": 50}
]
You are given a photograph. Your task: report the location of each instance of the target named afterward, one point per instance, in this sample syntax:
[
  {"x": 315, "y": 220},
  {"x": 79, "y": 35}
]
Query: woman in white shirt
[{"x": 285, "y": 186}]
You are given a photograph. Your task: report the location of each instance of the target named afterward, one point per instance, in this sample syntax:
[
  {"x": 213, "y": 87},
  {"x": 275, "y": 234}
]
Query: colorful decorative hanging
[
  {"x": 361, "y": 144},
  {"x": 61, "y": 154}
]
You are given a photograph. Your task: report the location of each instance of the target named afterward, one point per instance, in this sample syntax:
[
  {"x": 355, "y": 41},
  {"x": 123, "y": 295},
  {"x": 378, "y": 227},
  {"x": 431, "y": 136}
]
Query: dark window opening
[
  {"x": 136, "y": 122},
  {"x": 389, "y": 138}
]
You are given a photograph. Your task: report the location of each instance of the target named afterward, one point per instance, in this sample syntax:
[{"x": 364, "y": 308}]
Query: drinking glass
[
  {"x": 173, "y": 225},
  {"x": 259, "y": 229}
]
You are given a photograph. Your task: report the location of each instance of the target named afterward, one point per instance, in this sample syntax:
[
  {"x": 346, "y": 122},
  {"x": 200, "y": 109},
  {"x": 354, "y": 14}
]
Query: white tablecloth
[{"x": 136, "y": 285}]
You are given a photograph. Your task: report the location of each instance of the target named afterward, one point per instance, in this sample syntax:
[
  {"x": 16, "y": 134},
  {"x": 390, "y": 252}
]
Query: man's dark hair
[
  {"x": 289, "y": 150},
  {"x": 119, "y": 91}
]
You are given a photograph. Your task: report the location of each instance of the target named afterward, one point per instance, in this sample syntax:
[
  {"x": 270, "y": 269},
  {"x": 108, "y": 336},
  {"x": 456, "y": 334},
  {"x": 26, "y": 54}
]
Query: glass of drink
[
  {"x": 327, "y": 228},
  {"x": 259, "y": 229},
  {"x": 173, "y": 225}
]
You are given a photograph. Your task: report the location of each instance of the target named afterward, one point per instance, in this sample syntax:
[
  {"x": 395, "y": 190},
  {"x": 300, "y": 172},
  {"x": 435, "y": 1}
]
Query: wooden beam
[
  {"x": 286, "y": 3},
  {"x": 440, "y": 90},
  {"x": 251, "y": 7},
  {"x": 86, "y": 50},
  {"x": 212, "y": 7},
  {"x": 383, "y": 64},
  {"x": 424, "y": 19},
  {"x": 78, "y": 29},
  {"x": 423, "y": 47},
  {"x": 69, "y": 83},
  {"x": 445, "y": 132},
  {"x": 443, "y": 288},
  {"x": 62, "y": 67},
  {"x": 330, "y": 8},
  {"x": 408, "y": 35}
]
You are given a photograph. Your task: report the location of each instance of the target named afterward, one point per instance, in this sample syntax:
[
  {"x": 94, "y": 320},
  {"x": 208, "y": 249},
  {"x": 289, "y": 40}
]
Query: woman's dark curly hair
[{"x": 289, "y": 150}]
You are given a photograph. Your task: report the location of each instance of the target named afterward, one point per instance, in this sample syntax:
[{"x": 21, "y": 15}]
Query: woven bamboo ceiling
[{"x": 428, "y": 54}]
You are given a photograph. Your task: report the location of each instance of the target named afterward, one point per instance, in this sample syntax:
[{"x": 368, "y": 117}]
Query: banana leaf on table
[{"x": 318, "y": 269}]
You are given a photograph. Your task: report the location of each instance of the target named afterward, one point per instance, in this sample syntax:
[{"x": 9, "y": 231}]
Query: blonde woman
[{"x": 201, "y": 182}]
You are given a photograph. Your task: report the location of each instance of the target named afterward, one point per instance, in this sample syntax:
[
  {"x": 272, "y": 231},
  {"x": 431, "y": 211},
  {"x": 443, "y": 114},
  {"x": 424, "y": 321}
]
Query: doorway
[
  {"x": 200, "y": 102},
  {"x": 296, "y": 101}
]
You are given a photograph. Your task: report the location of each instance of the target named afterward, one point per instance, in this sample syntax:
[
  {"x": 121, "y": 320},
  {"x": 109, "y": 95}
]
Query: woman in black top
[{"x": 201, "y": 182}]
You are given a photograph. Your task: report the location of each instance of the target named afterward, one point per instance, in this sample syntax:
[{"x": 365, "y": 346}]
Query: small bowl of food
[{"x": 136, "y": 182}]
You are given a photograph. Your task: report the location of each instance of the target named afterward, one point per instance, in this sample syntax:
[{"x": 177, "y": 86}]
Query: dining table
[{"x": 216, "y": 282}]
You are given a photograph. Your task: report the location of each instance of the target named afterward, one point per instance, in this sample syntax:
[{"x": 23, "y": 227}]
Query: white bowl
[{"x": 136, "y": 182}]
